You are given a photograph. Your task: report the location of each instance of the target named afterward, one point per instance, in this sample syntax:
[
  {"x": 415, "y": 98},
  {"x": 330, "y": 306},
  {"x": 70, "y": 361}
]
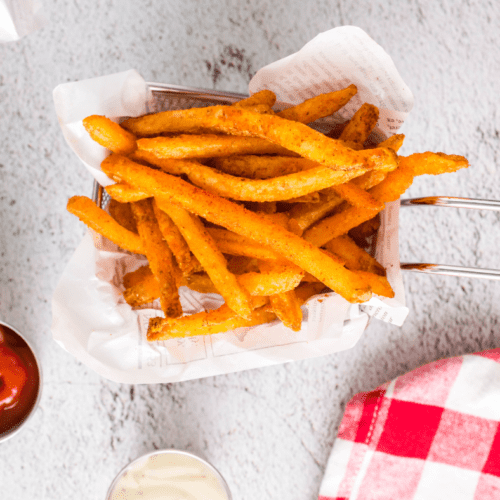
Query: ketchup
[{"x": 19, "y": 380}]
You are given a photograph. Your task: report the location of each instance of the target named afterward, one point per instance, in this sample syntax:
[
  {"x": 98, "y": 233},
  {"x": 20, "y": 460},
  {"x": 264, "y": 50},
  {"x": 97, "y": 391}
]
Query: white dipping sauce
[{"x": 169, "y": 476}]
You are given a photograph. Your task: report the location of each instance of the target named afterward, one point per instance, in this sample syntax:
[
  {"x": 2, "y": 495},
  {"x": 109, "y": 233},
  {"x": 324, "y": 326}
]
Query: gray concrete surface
[{"x": 269, "y": 431}]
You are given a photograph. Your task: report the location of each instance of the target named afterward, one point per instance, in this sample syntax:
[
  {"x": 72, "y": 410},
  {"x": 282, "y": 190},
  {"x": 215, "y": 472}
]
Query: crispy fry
[
  {"x": 293, "y": 136},
  {"x": 144, "y": 291},
  {"x": 307, "y": 290},
  {"x": 159, "y": 257},
  {"x": 361, "y": 124},
  {"x": 274, "y": 280},
  {"x": 287, "y": 308},
  {"x": 319, "y": 106},
  {"x": 175, "y": 241},
  {"x": 109, "y": 134},
  {"x": 239, "y": 220},
  {"x": 378, "y": 284},
  {"x": 370, "y": 179},
  {"x": 275, "y": 189},
  {"x": 235, "y": 244},
  {"x": 262, "y": 167},
  {"x": 394, "y": 142},
  {"x": 134, "y": 277},
  {"x": 355, "y": 258},
  {"x": 262, "y": 97},
  {"x": 364, "y": 231},
  {"x": 390, "y": 189},
  {"x": 210, "y": 257},
  {"x": 433, "y": 163},
  {"x": 306, "y": 214},
  {"x": 205, "y": 323},
  {"x": 202, "y": 146},
  {"x": 358, "y": 197},
  {"x": 122, "y": 213},
  {"x": 101, "y": 222}
]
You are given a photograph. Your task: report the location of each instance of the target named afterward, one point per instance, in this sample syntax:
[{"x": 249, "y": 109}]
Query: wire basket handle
[{"x": 449, "y": 201}]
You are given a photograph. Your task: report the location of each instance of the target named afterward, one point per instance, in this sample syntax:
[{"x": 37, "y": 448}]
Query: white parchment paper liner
[
  {"x": 91, "y": 319},
  {"x": 19, "y": 18}
]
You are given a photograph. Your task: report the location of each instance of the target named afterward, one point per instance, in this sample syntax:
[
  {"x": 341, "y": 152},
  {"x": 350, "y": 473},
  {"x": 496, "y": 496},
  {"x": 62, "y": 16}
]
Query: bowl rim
[
  {"x": 16, "y": 430},
  {"x": 170, "y": 451}
]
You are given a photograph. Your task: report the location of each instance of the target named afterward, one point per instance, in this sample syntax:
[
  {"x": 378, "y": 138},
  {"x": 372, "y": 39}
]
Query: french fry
[
  {"x": 210, "y": 257},
  {"x": 275, "y": 189},
  {"x": 306, "y": 214},
  {"x": 394, "y": 142},
  {"x": 378, "y": 284},
  {"x": 433, "y": 163},
  {"x": 361, "y": 124},
  {"x": 122, "y": 213},
  {"x": 265, "y": 96},
  {"x": 239, "y": 220},
  {"x": 262, "y": 167},
  {"x": 319, "y": 106},
  {"x": 358, "y": 197},
  {"x": 109, "y": 134},
  {"x": 365, "y": 230},
  {"x": 134, "y": 277},
  {"x": 390, "y": 189},
  {"x": 235, "y": 244},
  {"x": 146, "y": 290},
  {"x": 355, "y": 258},
  {"x": 101, "y": 222},
  {"x": 175, "y": 241},
  {"x": 219, "y": 320},
  {"x": 293, "y": 136},
  {"x": 159, "y": 257},
  {"x": 203, "y": 146},
  {"x": 287, "y": 308}
]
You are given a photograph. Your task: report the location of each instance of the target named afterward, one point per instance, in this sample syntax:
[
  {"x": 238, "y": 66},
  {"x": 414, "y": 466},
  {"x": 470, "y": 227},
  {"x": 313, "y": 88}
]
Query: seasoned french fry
[
  {"x": 265, "y": 96},
  {"x": 262, "y": 167},
  {"x": 361, "y": 124},
  {"x": 159, "y": 257},
  {"x": 235, "y": 244},
  {"x": 176, "y": 242},
  {"x": 287, "y": 308},
  {"x": 319, "y": 106},
  {"x": 122, "y": 213},
  {"x": 378, "y": 284},
  {"x": 210, "y": 257},
  {"x": 205, "y": 323},
  {"x": 433, "y": 163},
  {"x": 390, "y": 189},
  {"x": 355, "y": 258},
  {"x": 202, "y": 146},
  {"x": 358, "y": 197},
  {"x": 394, "y": 142},
  {"x": 239, "y": 220},
  {"x": 101, "y": 222},
  {"x": 365, "y": 230},
  {"x": 134, "y": 277},
  {"x": 144, "y": 291},
  {"x": 306, "y": 214},
  {"x": 109, "y": 134},
  {"x": 275, "y": 189}
]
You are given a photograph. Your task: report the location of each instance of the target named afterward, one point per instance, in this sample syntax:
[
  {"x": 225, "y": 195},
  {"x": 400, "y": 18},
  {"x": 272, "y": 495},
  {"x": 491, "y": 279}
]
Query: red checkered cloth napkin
[{"x": 433, "y": 433}]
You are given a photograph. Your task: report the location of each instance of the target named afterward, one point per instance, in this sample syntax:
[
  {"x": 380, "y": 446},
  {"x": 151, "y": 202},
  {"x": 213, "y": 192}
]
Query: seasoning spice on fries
[{"x": 251, "y": 204}]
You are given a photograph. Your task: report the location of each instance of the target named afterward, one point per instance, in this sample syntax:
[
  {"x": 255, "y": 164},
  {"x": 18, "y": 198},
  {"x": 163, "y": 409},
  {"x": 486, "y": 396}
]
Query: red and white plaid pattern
[{"x": 433, "y": 433}]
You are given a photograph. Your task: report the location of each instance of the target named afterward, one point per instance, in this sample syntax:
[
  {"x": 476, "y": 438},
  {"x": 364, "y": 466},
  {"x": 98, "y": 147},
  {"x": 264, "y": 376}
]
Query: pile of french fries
[{"x": 250, "y": 204}]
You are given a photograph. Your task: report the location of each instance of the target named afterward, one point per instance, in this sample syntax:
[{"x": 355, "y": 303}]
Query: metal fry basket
[{"x": 170, "y": 97}]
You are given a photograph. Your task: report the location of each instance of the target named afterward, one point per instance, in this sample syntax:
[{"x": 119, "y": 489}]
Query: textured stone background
[{"x": 269, "y": 431}]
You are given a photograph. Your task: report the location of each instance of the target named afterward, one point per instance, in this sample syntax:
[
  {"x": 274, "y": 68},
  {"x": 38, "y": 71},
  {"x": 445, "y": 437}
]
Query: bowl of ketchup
[{"x": 20, "y": 381}]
